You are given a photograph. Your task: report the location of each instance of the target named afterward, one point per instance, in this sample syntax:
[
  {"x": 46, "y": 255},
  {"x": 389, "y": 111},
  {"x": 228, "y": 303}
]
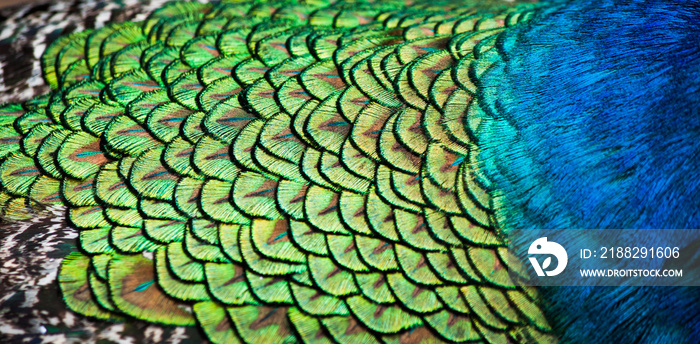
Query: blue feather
[{"x": 596, "y": 109}]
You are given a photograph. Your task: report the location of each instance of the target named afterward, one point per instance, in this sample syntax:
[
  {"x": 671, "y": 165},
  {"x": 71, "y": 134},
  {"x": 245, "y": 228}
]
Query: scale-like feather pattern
[{"x": 282, "y": 171}]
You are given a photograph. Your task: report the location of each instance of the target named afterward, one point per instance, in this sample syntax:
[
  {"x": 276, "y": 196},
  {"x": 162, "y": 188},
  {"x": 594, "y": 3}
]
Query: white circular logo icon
[{"x": 542, "y": 246}]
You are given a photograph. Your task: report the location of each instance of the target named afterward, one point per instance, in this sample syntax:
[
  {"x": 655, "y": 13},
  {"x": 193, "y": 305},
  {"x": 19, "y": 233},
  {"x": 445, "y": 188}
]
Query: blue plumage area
[
  {"x": 593, "y": 123},
  {"x": 623, "y": 314},
  {"x": 600, "y": 101}
]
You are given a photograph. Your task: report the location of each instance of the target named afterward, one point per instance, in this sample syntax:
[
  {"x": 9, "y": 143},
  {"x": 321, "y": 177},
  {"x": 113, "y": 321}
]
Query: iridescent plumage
[{"x": 285, "y": 171}]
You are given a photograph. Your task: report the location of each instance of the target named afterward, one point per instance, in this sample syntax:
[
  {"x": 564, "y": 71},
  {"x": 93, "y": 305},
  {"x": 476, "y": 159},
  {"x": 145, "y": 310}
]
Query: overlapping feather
[{"x": 277, "y": 172}]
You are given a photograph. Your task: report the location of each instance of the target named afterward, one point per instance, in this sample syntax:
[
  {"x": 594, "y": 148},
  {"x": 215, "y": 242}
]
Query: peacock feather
[{"x": 342, "y": 171}]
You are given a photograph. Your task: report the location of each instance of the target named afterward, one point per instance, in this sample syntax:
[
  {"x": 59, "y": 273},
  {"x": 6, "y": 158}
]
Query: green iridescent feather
[{"x": 295, "y": 171}]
